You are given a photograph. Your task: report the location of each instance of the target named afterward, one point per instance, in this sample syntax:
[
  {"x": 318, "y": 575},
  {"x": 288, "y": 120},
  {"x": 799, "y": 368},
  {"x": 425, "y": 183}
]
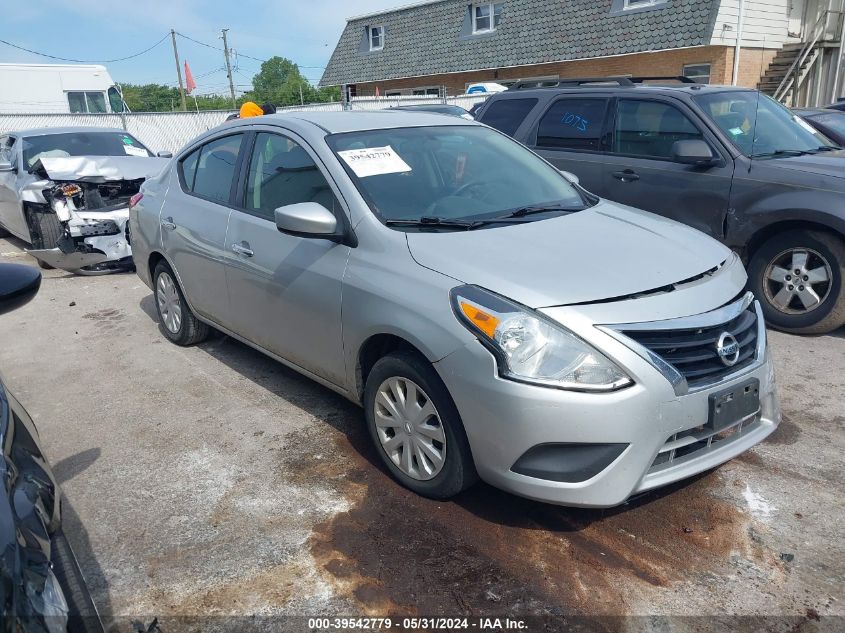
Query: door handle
[
  {"x": 628, "y": 175},
  {"x": 242, "y": 250},
  {"x": 168, "y": 223}
]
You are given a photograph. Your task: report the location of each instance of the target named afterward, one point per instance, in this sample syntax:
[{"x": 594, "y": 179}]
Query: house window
[
  {"x": 486, "y": 17},
  {"x": 699, "y": 73},
  {"x": 376, "y": 35},
  {"x": 636, "y": 4}
]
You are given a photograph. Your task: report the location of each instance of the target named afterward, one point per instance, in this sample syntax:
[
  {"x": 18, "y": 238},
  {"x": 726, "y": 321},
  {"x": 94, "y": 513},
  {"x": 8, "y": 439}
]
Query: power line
[
  {"x": 86, "y": 61},
  {"x": 237, "y": 52}
]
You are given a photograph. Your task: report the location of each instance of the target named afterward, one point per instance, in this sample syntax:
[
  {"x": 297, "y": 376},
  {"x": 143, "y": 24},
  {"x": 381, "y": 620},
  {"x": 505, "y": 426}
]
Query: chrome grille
[{"x": 692, "y": 351}]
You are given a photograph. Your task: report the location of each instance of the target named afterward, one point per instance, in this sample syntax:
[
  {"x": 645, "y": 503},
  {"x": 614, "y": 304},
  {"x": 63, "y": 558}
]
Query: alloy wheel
[
  {"x": 169, "y": 305},
  {"x": 797, "y": 281},
  {"x": 409, "y": 428}
]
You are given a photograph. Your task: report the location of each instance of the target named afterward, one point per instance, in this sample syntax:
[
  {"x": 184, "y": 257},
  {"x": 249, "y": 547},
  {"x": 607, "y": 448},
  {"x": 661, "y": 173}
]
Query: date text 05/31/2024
[{"x": 416, "y": 624}]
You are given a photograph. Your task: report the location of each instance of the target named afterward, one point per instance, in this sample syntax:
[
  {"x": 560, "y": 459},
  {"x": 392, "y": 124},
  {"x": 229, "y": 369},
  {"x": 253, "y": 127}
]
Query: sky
[{"x": 304, "y": 31}]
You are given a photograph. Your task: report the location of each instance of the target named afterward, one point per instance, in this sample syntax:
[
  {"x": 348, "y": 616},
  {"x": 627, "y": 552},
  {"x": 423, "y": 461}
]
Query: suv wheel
[
  {"x": 798, "y": 278},
  {"x": 416, "y": 428},
  {"x": 175, "y": 317}
]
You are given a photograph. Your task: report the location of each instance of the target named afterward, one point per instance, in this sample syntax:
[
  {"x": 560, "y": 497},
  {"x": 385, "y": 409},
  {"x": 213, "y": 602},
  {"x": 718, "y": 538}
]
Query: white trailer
[{"x": 58, "y": 88}]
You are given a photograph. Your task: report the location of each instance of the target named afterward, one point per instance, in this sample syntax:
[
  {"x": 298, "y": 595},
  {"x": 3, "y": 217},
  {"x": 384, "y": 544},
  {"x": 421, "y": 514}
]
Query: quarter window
[
  {"x": 86, "y": 102},
  {"x": 486, "y": 17},
  {"x": 281, "y": 172},
  {"x": 506, "y": 115},
  {"x": 376, "y": 36},
  {"x": 573, "y": 124},
  {"x": 215, "y": 168},
  {"x": 650, "y": 129}
]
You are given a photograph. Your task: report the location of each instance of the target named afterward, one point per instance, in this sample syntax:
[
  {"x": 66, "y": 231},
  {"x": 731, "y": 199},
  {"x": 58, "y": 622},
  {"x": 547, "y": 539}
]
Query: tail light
[{"x": 134, "y": 200}]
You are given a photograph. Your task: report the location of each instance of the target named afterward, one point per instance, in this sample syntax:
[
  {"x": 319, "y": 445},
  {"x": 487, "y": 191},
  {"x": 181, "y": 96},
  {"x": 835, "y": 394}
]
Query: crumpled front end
[{"x": 78, "y": 212}]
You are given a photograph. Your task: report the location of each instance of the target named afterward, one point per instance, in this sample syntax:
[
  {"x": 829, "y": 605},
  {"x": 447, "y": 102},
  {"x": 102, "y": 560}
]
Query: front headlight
[{"x": 530, "y": 348}]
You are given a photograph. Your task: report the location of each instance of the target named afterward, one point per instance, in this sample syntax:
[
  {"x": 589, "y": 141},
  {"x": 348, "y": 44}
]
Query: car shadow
[
  {"x": 74, "y": 529},
  {"x": 489, "y": 504}
]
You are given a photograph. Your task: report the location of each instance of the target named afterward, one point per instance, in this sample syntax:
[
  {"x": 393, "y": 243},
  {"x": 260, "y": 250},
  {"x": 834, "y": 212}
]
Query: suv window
[
  {"x": 215, "y": 168},
  {"x": 281, "y": 172},
  {"x": 650, "y": 128},
  {"x": 507, "y": 114},
  {"x": 573, "y": 124}
]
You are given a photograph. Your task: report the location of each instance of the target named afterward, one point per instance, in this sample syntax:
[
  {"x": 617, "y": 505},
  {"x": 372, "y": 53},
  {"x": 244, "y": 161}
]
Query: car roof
[
  {"x": 654, "y": 89},
  {"x": 44, "y": 131},
  {"x": 339, "y": 122}
]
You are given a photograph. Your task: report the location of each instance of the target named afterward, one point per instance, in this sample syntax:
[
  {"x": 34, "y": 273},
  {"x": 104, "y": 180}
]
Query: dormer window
[
  {"x": 486, "y": 16},
  {"x": 376, "y": 37},
  {"x": 636, "y": 4}
]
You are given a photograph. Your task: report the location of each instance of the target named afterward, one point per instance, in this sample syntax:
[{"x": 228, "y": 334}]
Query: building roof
[{"x": 435, "y": 37}]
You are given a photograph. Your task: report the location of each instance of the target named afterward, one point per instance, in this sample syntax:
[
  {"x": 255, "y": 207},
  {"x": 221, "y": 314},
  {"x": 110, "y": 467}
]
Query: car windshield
[
  {"x": 81, "y": 144},
  {"x": 451, "y": 173},
  {"x": 779, "y": 132}
]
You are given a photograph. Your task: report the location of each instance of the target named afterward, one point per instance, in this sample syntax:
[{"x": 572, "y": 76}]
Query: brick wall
[{"x": 753, "y": 63}]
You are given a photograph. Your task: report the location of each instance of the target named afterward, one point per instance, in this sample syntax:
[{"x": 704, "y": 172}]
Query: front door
[
  {"x": 570, "y": 135},
  {"x": 639, "y": 169},
  {"x": 285, "y": 291},
  {"x": 194, "y": 221}
]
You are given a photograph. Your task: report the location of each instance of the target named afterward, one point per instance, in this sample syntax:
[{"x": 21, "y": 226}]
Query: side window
[
  {"x": 280, "y": 173},
  {"x": 650, "y": 128},
  {"x": 76, "y": 101},
  {"x": 215, "y": 168},
  {"x": 188, "y": 168},
  {"x": 506, "y": 115},
  {"x": 573, "y": 124},
  {"x": 86, "y": 102}
]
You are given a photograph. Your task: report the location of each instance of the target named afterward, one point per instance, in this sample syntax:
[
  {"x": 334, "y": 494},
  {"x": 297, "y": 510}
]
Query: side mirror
[
  {"x": 693, "y": 152},
  {"x": 570, "y": 177},
  {"x": 165, "y": 154},
  {"x": 18, "y": 284},
  {"x": 307, "y": 219},
  {"x": 6, "y": 166}
]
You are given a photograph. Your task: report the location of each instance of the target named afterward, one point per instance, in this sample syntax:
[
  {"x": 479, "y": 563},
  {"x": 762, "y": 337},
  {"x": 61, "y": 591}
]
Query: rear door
[
  {"x": 285, "y": 291},
  {"x": 571, "y": 134},
  {"x": 194, "y": 220},
  {"x": 639, "y": 169}
]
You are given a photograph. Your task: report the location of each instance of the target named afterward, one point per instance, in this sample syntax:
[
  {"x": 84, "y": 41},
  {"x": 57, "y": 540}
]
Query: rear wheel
[
  {"x": 175, "y": 317},
  {"x": 416, "y": 427},
  {"x": 797, "y": 276}
]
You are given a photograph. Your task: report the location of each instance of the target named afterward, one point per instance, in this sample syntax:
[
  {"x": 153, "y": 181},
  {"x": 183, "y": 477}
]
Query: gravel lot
[{"x": 212, "y": 480}]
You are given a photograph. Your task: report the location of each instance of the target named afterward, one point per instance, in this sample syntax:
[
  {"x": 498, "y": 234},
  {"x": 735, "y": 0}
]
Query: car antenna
[{"x": 754, "y": 131}]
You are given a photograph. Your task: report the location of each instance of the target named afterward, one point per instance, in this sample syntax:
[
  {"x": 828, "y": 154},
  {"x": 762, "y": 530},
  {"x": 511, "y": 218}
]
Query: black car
[
  {"x": 829, "y": 122},
  {"x": 729, "y": 161},
  {"x": 41, "y": 586}
]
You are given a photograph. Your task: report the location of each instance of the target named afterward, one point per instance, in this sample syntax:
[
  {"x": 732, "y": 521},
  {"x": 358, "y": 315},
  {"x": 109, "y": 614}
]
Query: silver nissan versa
[{"x": 494, "y": 319}]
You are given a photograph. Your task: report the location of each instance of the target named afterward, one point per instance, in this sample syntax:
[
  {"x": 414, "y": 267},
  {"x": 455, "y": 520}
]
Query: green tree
[{"x": 281, "y": 83}]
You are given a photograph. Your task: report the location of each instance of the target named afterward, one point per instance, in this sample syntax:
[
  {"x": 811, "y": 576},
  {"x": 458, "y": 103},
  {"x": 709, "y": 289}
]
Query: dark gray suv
[{"x": 731, "y": 162}]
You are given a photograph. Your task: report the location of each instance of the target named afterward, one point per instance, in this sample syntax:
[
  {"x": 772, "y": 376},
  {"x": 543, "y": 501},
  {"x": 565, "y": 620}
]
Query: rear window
[
  {"x": 506, "y": 115},
  {"x": 573, "y": 124}
]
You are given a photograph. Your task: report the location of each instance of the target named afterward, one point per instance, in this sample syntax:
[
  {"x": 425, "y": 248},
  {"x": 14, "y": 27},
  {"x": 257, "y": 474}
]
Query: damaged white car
[{"x": 66, "y": 191}]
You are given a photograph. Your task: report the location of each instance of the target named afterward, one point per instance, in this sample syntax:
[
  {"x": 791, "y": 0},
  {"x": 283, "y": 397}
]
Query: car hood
[
  {"x": 98, "y": 168},
  {"x": 831, "y": 164},
  {"x": 605, "y": 252}
]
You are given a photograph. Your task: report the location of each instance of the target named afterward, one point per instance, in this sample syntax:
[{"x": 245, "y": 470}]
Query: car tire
[
  {"x": 431, "y": 427},
  {"x": 46, "y": 229},
  {"x": 786, "y": 297},
  {"x": 175, "y": 318}
]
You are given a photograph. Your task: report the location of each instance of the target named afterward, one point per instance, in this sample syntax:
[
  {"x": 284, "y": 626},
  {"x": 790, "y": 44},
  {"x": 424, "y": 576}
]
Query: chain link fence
[{"x": 170, "y": 131}]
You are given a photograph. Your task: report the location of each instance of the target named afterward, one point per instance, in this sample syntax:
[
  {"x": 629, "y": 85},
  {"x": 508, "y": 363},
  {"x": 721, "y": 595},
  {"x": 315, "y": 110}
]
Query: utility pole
[
  {"x": 178, "y": 71},
  {"x": 229, "y": 69}
]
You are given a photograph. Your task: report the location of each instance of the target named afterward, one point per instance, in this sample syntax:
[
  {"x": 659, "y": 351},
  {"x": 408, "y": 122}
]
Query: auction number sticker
[{"x": 374, "y": 161}]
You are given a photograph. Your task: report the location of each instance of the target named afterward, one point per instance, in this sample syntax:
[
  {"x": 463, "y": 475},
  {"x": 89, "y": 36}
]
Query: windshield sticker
[
  {"x": 131, "y": 150},
  {"x": 128, "y": 141},
  {"x": 805, "y": 125},
  {"x": 374, "y": 161},
  {"x": 736, "y": 131}
]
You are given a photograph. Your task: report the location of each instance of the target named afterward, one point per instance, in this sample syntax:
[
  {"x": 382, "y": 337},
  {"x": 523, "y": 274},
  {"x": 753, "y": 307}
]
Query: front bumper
[{"x": 504, "y": 419}]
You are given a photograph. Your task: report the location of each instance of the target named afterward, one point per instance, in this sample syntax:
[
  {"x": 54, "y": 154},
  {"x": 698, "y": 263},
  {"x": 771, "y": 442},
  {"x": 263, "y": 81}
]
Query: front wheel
[
  {"x": 797, "y": 276},
  {"x": 416, "y": 427}
]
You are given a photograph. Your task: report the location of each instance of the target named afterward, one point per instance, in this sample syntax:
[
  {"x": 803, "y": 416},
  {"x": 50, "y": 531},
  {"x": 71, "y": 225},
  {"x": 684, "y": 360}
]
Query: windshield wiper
[
  {"x": 783, "y": 152},
  {"x": 827, "y": 148},
  {"x": 431, "y": 221}
]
